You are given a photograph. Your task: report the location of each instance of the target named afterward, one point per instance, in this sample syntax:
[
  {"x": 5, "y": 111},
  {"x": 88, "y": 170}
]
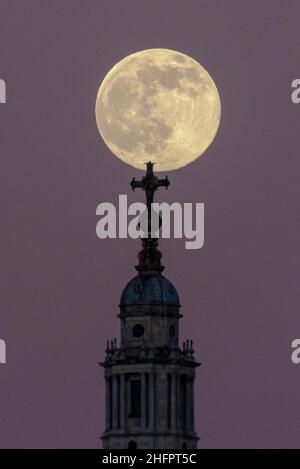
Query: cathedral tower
[{"x": 149, "y": 377}]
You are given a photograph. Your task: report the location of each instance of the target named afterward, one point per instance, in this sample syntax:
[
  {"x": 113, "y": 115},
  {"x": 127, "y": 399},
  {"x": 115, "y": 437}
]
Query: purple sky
[{"x": 60, "y": 285}]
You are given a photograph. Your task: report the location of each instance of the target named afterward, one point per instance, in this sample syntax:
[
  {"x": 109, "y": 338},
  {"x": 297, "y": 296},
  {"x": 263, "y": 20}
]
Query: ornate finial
[
  {"x": 150, "y": 256},
  {"x": 150, "y": 184}
]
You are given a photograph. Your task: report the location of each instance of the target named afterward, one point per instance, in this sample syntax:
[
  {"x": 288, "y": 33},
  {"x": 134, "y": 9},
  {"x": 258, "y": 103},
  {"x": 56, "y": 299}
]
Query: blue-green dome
[{"x": 151, "y": 288}]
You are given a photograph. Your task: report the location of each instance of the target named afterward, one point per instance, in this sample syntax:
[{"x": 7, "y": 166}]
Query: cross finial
[
  {"x": 150, "y": 184},
  {"x": 149, "y": 257}
]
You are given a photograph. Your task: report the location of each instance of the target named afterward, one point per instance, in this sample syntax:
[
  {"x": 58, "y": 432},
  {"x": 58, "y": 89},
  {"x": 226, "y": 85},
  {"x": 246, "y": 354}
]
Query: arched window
[
  {"x": 132, "y": 445},
  {"x": 135, "y": 398}
]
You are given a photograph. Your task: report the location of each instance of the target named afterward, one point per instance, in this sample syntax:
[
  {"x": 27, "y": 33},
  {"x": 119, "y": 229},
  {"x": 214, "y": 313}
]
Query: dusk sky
[{"x": 61, "y": 285}]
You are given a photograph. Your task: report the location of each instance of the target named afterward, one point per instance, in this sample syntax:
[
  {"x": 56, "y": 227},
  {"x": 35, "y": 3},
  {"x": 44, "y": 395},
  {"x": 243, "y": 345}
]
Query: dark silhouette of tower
[{"x": 149, "y": 378}]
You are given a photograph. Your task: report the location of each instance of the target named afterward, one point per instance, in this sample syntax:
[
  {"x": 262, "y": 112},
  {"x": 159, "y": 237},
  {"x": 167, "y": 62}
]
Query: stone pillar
[
  {"x": 115, "y": 401},
  {"x": 151, "y": 401},
  {"x": 188, "y": 397},
  {"x": 173, "y": 401},
  {"x": 178, "y": 403},
  {"x": 108, "y": 404},
  {"x": 123, "y": 403},
  {"x": 143, "y": 403},
  {"x": 192, "y": 404},
  {"x": 161, "y": 400}
]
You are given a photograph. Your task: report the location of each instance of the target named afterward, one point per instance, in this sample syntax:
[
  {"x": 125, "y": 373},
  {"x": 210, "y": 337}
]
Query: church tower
[{"x": 149, "y": 377}]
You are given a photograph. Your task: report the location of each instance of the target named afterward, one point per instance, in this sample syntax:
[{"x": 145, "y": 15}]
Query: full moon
[{"x": 158, "y": 105}]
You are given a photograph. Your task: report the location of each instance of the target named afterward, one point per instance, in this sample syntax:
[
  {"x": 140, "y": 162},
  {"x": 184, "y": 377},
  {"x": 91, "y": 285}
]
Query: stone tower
[{"x": 149, "y": 378}]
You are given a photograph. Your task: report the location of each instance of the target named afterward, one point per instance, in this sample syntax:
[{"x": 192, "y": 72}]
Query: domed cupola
[{"x": 149, "y": 288}]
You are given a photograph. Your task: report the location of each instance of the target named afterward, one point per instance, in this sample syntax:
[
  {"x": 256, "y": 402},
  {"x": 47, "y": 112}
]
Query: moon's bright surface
[{"x": 158, "y": 105}]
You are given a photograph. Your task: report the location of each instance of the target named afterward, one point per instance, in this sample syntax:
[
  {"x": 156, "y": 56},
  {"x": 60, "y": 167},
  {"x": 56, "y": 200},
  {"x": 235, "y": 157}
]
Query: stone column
[
  {"x": 173, "y": 401},
  {"x": 123, "y": 403},
  {"x": 115, "y": 401},
  {"x": 188, "y": 397},
  {"x": 108, "y": 404},
  {"x": 161, "y": 400},
  {"x": 178, "y": 403},
  {"x": 151, "y": 401},
  {"x": 192, "y": 404},
  {"x": 143, "y": 403}
]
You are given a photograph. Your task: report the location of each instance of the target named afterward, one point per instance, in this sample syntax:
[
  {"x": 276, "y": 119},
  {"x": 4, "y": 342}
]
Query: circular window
[
  {"x": 139, "y": 287},
  {"x": 138, "y": 331},
  {"x": 172, "y": 331}
]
